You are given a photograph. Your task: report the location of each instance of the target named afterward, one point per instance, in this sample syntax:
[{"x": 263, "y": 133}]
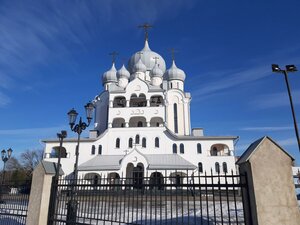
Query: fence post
[
  {"x": 270, "y": 196},
  {"x": 40, "y": 194}
]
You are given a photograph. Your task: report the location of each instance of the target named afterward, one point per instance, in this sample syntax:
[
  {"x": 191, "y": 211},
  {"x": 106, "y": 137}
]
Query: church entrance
[
  {"x": 135, "y": 175},
  {"x": 156, "y": 181}
]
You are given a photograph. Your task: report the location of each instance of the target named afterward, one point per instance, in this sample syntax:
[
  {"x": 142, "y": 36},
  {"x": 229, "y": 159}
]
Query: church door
[{"x": 138, "y": 176}]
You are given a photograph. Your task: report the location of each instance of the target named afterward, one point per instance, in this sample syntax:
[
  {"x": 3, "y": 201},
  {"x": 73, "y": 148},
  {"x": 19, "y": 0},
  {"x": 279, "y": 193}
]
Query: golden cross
[
  {"x": 145, "y": 26},
  {"x": 114, "y": 54},
  {"x": 173, "y": 51}
]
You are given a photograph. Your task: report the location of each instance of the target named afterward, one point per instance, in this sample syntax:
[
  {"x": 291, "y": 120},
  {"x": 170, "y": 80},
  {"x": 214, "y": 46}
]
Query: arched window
[
  {"x": 156, "y": 142},
  {"x": 140, "y": 124},
  {"x": 199, "y": 148},
  {"x": 174, "y": 148},
  {"x": 130, "y": 143},
  {"x": 156, "y": 100},
  {"x": 95, "y": 180},
  {"x": 100, "y": 150},
  {"x": 55, "y": 152},
  {"x": 144, "y": 142},
  {"x": 181, "y": 148},
  {"x": 119, "y": 102},
  {"x": 214, "y": 151},
  {"x": 225, "y": 170},
  {"x": 93, "y": 150},
  {"x": 175, "y": 118},
  {"x": 217, "y": 167},
  {"x": 200, "y": 167},
  {"x": 118, "y": 143},
  {"x": 137, "y": 139}
]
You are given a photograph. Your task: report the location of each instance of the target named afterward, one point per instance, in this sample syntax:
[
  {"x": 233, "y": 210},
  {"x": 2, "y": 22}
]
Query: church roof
[
  {"x": 102, "y": 162},
  {"x": 168, "y": 161},
  {"x": 155, "y": 161}
]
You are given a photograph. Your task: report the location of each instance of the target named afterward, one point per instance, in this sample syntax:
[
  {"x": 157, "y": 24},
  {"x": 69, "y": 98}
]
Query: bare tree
[
  {"x": 30, "y": 159},
  {"x": 13, "y": 164}
]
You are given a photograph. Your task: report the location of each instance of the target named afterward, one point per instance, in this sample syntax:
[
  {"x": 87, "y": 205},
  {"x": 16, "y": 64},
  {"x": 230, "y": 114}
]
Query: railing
[
  {"x": 172, "y": 198},
  {"x": 14, "y": 198}
]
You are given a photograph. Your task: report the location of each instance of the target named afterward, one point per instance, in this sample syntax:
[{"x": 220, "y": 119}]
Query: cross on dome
[
  {"x": 145, "y": 26},
  {"x": 155, "y": 59},
  {"x": 114, "y": 55},
  {"x": 140, "y": 54},
  {"x": 173, "y": 51}
]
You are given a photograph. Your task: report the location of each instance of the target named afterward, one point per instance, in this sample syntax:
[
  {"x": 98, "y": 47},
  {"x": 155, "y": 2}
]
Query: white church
[{"x": 142, "y": 125}]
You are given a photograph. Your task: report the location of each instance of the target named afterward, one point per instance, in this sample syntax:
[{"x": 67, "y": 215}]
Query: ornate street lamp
[
  {"x": 289, "y": 68},
  {"x": 61, "y": 136},
  {"x": 5, "y": 155},
  {"x": 77, "y": 128}
]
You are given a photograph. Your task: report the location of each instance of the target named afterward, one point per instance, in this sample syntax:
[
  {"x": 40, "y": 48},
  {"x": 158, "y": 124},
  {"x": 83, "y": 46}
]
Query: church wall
[
  {"x": 101, "y": 113},
  {"x": 108, "y": 142}
]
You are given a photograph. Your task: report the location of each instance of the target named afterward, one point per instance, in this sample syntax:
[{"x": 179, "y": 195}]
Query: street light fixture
[
  {"x": 289, "y": 68},
  {"x": 5, "y": 155},
  {"x": 61, "y": 136},
  {"x": 77, "y": 128}
]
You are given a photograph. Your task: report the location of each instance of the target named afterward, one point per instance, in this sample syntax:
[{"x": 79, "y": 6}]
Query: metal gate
[
  {"x": 164, "y": 197},
  {"x": 14, "y": 198}
]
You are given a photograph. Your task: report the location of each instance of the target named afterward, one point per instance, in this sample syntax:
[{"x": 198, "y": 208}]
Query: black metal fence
[
  {"x": 172, "y": 198},
  {"x": 14, "y": 198}
]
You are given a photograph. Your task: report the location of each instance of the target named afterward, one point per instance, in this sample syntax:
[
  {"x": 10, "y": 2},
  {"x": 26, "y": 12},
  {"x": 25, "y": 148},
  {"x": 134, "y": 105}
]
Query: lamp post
[
  {"x": 5, "y": 155},
  {"x": 77, "y": 128},
  {"x": 61, "y": 136},
  {"x": 289, "y": 68}
]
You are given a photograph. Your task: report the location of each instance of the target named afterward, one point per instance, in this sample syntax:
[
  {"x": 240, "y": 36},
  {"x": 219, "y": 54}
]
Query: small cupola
[
  {"x": 174, "y": 73},
  {"x": 110, "y": 76},
  {"x": 123, "y": 73},
  {"x": 139, "y": 67}
]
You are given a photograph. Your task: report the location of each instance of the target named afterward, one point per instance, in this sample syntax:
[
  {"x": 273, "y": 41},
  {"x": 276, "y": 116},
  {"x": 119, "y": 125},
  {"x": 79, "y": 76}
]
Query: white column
[{"x": 186, "y": 117}]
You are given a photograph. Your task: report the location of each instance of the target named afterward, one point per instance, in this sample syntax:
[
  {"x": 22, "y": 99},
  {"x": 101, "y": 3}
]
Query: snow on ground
[{"x": 184, "y": 213}]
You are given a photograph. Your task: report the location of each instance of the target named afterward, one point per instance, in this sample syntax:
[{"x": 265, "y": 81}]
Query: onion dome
[
  {"x": 148, "y": 58},
  {"x": 175, "y": 73},
  {"x": 139, "y": 67},
  {"x": 156, "y": 71},
  {"x": 110, "y": 75},
  {"x": 123, "y": 73}
]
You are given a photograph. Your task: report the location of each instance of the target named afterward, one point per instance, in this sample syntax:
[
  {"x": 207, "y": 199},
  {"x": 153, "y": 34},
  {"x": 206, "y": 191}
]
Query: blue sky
[{"x": 53, "y": 55}]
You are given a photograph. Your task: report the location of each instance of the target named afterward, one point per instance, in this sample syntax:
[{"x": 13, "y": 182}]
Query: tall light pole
[
  {"x": 77, "y": 128},
  {"x": 61, "y": 136},
  {"x": 5, "y": 155},
  {"x": 289, "y": 68}
]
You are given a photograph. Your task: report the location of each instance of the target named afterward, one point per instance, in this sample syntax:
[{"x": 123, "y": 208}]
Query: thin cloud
[
  {"x": 283, "y": 128},
  {"x": 4, "y": 100},
  {"x": 275, "y": 100},
  {"x": 37, "y": 33},
  {"x": 32, "y": 131},
  {"x": 232, "y": 79},
  {"x": 288, "y": 142}
]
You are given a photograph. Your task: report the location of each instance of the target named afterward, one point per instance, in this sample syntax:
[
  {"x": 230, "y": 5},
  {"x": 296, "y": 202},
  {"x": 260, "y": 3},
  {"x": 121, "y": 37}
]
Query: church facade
[{"x": 142, "y": 124}]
